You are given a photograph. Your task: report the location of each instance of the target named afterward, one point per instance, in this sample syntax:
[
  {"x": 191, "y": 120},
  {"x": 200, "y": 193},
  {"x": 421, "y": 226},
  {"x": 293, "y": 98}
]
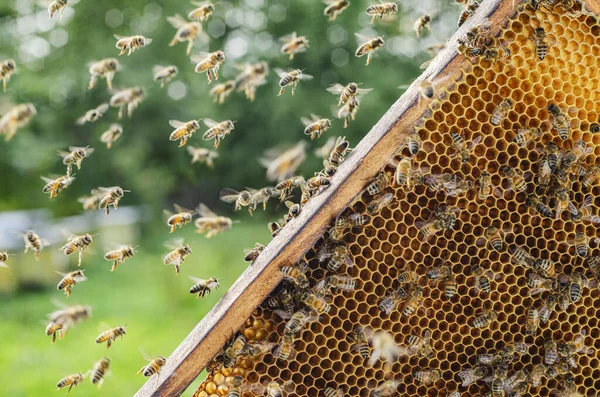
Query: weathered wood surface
[{"x": 371, "y": 155}]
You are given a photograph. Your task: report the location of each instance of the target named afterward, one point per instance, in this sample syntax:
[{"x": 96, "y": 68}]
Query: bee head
[
  {"x": 210, "y": 7},
  {"x": 130, "y": 251},
  {"x": 121, "y": 330},
  {"x": 220, "y": 55},
  {"x": 245, "y": 195},
  {"x": 395, "y": 7},
  {"x": 230, "y": 124},
  {"x": 380, "y": 41},
  {"x": 352, "y": 87},
  {"x": 553, "y": 109},
  {"x": 187, "y": 249},
  {"x": 113, "y": 64},
  {"x": 161, "y": 360},
  {"x": 81, "y": 152},
  {"x": 87, "y": 239},
  {"x": 195, "y": 124},
  {"x": 10, "y": 64},
  {"x": 119, "y": 192}
]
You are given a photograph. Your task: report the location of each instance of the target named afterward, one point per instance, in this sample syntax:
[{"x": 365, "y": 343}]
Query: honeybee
[
  {"x": 560, "y": 121},
  {"x": 250, "y": 254},
  {"x": 347, "y": 111},
  {"x": 589, "y": 177},
  {"x": 100, "y": 369},
  {"x": 295, "y": 274},
  {"x": 360, "y": 342},
  {"x": 462, "y": 148},
  {"x": 4, "y": 258},
  {"x": 533, "y": 201},
  {"x": 111, "y": 196},
  {"x": 315, "y": 126},
  {"x": 413, "y": 142},
  {"x": 178, "y": 254},
  {"x": 75, "y": 379},
  {"x": 585, "y": 212},
  {"x": 54, "y": 7},
  {"x": 420, "y": 345},
  {"x": 378, "y": 11},
  {"x": 203, "y": 287},
  {"x": 541, "y": 47},
  {"x": 536, "y": 374},
  {"x": 56, "y": 185},
  {"x": 501, "y": 112},
  {"x": 69, "y": 280},
  {"x": 33, "y": 241},
  {"x": 93, "y": 115},
  {"x": 330, "y": 391},
  {"x": 414, "y": 301},
  {"x": 516, "y": 178},
  {"x": 472, "y": 375},
  {"x": 354, "y": 219},
  {"x": 293, "y": 210},
  {"x": 209, "y": 63},
  {"x": 563, "y": 203},
  {"x": 17, "y": 117},
  {"x": 495, "y": 237},
  {"x": 131, "y": 43},
  {"x": 407, "y": 175},
  {"x": 77, "y": 243},
  {"x": 379, "y": 202},
  {"x": 423, "y": 22},
  {"x": 485, "y": 319},
  {"x": 217, "y": 130},
  {"x": 333, "y": 9},
  {"x": 582, "y": 243},
  {"x": 576, "y": 282},
  {"x": 210, "y": 222},
  {"x": 451, "y": 185},
  {"x": 67, "y": 316},
  {"x": 186, "y": 31},
  {"x": 428, "y": 377},
  {"x": 482, "y": 278},
  {"x": 547, "y": 308},
  {"x": 521, "y": 257},
  {"x": 252, "y": 77},
  {"x": 442, "y": 220},
  {"x": 220, "y": 92},
  {"x": 285, "y": 350},
  {"x": 392, "y": 300},
  {"x": 297, "y": 320},
  {"x": 293, "y": 44},
  {"x": 119, "y": 255},
  {"x": 368, "y": 47},
  {"x": 111, "y": 135},
  {"x": 551, "y": 351},
  {"x": 241, "y": 199},
  {"x": 203, "y": 11},
  {"x": 378, "y": 184},
  {"x": 75, "y": 156},
  {"x": 292, "y": 78},
  {"x": 182, "y": 217},
  {"x": 500, "y": 52},
  {"x": 129, "y": 99},
  {"x": 54, "y": 329},
  {"x": 105, "y": 69},
  {"x": 347, "y": 93},
  {"x": 283, "y": 163},
  {"x": 384, "y": 347},
  {"x": 235, "y": 349},
  {"x": 527, "y": 135},
  {"x": 183, "y": 130},
  {"x": 164, "y": 74},
  {"x": 577, "y": 346},
  {"x": 111, "y": 335},
  {"x": 316, "y": 302},
  {"x": 388, "y": 388},
  {"x": 7, "y": 69},
  {"x": 340, "y": 257},
  {"x": 343, "y": 283},
  {"x": 470, "y": 7},
  {"x": 485, "y": 186},
  {"x": 202, "y": 155},
  {"x": 235, "y": 386}
]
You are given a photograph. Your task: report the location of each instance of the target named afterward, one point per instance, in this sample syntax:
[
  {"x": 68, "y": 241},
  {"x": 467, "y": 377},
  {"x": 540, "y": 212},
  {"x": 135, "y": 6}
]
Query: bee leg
[
  {"x": 281, "y": 91},
  {"x": 177, "y": 269},
  {"x": 291, "y": 56},
  {"x": 216, "y": 70},
  {"x": 26, "y": 249},
  {"x": 4, "y": 84},
  {"x": 108, "y": 343},
  {"x": 36, "y": 255},
  {"x": 189, "y": 47},
  {"x": 369, "y": 56},
  {"x": 173, "y": 227},
  {"x": 114, "y": 266},
  {"x": 373, "y": 19}
]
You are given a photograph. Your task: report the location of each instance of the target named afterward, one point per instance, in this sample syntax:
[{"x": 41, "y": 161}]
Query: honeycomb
[{"x": 389, "y": 243}]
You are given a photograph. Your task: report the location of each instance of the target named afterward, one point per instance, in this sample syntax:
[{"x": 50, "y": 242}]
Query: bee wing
[
  {"x": 119, "y": 37},
  {"x": 305, "y": 77},
  {"x": 89, "y": 150},
  {"x": 283, "y": 314},
  {"x": 176, "y": 21},
  {"x": 179, "y": 208},
  {"x": 363, "y": 91},
  {"x": 204, "y": 211},
  {"x": 46, "y": 179},
  {"x": 62, "y": 153},
  {"x": 167, "y": 214},
  {"x": 228, "y": 195},
  {"x": 572, "y": 208},
  {"x": 176, "y": 123},
  {"x": 336, "y": 89},
  {"x": 81, "y": 120},
  {"x": 174, "y": 243},
  {"x": 196, "y": 279},
  {"x": 197, "y": 58},
  {"x": 210, "y": 123},
  {"x": 362, "y": 38},
  {"x": 60, "y": 273},
  {"x": 68, "y": 234},
  {"x": 103, "y": 108},
  {"x": 475, "y": 141},
  {"x": 157, "y": 68},
  {"x": 280, "y": 72},
  {"x": 288, "y": 37},
  {"x": 306, "y": 121}
]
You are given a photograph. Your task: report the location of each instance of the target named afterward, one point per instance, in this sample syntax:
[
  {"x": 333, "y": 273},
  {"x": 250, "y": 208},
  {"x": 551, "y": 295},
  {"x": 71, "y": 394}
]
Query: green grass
[{"x": 142, "y": 293}]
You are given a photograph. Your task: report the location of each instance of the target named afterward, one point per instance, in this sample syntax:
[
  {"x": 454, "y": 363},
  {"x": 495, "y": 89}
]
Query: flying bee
[
  {"x": 315, "y": 126},
  {"x": 119, "y": 255},
  {"x": 388, "y": 388},
  {"x": 217, "y": 130},
  {"x": 282, "y": 162},
  {"x": 75, "y": 156},
  {"x": 427, "y": 377},
  {"x": 93, "y": 115},
  {"x": 7, "y": 69},
  {"x": 56, "y": 185},
  {"x": 368, "y": 47},
  {"x": 472, "y": 375},
  {"x": 485, "y": 319},
  {"x": 291, "y": 79},
  {"x": 547, "y": 308},
  {"x": 347, "y": 93},
  {"x": 347, "y": 111},
  {"x": 210, "y": 222},
  {"x": 251, "y": 77},
  {"x": 378, "y": 11},
  {"x": 75, "y": 379},
  {"x": 202, "y": 287},
  {"x": 420, "y": 345},
  {"x": 295, "y": 274},
  {"x": 203, "y": 11},
  {"x": 463, "y": 150},
  {"x": 111, "y": 135},
  {"x": 202, "y": 155},
  {"x": 516, "y": 178},
  {"x": 54, "y": 7},
  {"x": 105, "y": 69},
  {"x": 34, "y": 242},
  {"x": 582, "y": 243},
  {"x": 482, "y": 278},
  {"x": 164, "y": 74},
  {"x": 560, "y": 121},
  {"x": 527, "y": 135},
  {"x": 384, "y": 347},
  {"x": 541, "y": 47},
  {"x": 316, "y": 302},
  {"x": 111, "y": 196},
  {"x": 181, "y": 218},
  {"x": 501, "y": 112},
  {"x": 209, "y": 63},
  {"x": 4, "y": 258},
  {"x": 251, "y": 254},
  {"x": 77, "y": 243},
  {"x": 111, "y": 335},
  {"x": 335, "y": 8},
  {"x": 186, "y": 31},
  {"x": 129, "y": 99},
  {"x": 379, "y": 202},
  {"x": 423, "y": 22},
  {"x": 241, "y": 199},
  {"x": 183, "y": 130},
  {"x": 54, "y": 329},
  {"x": 17, "y": 117},
  {"x": 427, "y": 87},
  {"x": 285, "y": 350},
  {"x": 69, "y": 280},
  {"x": 293, "y": 44},
  {"x": 220, "y": 92},
  {"x": 99, "y": 371},
  {"x": 131, "y": 43},
  {"x": 470, "y": 7},
  {"x": 178, "y": 254},
  {"x": 360, "y": 342}
]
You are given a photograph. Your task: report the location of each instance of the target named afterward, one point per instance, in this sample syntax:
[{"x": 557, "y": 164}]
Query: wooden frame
[{"x": 370, "y": 156}]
